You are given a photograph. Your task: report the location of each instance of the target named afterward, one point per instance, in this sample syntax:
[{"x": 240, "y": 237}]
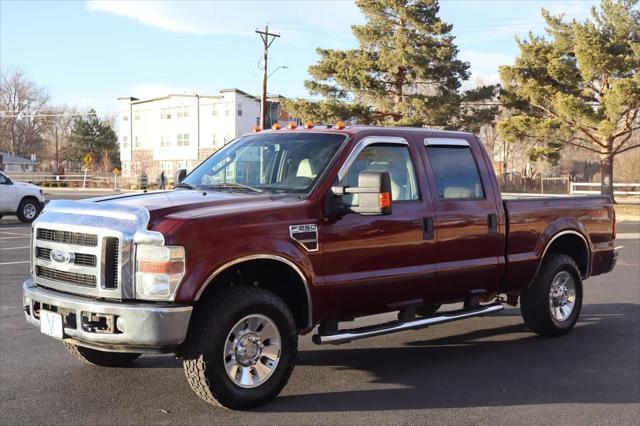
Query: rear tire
[
  {"x": 28, "y": 210},
  {"x": 551, "y": 305},
  {"x": 241, "y": 347},
  {"x": 101, "y": 358}
]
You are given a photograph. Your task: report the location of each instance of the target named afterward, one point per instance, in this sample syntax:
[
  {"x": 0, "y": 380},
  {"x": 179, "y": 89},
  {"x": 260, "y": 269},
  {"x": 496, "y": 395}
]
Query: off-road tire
[
  {"x": 28, "y": 201},
  {"x": 101, "y": 358},
  {"x": 210, "y": 325},
  {"x": 428, "y": 309},
  {"x": 534, "y": 300}
]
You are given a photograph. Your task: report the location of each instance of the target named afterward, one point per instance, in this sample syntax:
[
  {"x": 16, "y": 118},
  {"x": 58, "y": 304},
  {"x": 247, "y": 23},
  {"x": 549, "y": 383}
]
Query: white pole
[
  {"x": 115, "y": 182},
  {"x": 84, "y": 180}
]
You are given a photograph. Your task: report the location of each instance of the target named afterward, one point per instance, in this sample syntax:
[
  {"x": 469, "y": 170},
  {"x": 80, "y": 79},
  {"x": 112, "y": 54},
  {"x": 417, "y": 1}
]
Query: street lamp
[{"x": 284, "y": 67}]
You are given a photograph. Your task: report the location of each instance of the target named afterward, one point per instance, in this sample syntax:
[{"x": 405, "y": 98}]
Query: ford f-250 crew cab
[{"x": 283, "y": 230}]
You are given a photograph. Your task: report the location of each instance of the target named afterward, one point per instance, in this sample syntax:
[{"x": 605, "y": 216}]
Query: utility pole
[{"x": 267, "y": 39}]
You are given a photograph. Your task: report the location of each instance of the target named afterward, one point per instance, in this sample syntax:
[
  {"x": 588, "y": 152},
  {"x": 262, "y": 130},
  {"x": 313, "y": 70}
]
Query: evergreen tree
[
  {"x": 94, "y": 136},
  {"x": 579, "y": 87},
  {"x": 404, "y": 72}
]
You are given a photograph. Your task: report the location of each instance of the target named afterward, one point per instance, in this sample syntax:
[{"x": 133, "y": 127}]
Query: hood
[
  {"x": 184, "y": 203},
  {"x": 27, "y": 185}
]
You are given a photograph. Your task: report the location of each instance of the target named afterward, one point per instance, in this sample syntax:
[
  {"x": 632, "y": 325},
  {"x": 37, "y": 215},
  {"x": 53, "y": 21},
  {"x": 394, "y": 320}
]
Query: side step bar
[{"x": 345, "y": 336}]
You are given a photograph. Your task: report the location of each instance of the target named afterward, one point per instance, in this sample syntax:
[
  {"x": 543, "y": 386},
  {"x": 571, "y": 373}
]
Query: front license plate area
[{"x": 51, "y": 324}]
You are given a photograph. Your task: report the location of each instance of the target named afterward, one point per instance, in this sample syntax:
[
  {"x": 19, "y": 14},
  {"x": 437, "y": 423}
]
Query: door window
[
  {"x": 455, "y": 172},
  {"x": 394, "y": 159}
]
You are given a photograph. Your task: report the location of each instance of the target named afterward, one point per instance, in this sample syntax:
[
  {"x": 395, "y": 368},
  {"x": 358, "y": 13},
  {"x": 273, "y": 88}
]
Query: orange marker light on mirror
[
  {"x": 291, "y": 125},
  {"x": 384, "y": 199},
  {"x": 308, "y": 125},
  {"x": 340, "y": 125},
  {"x": 276, "y": 126}
]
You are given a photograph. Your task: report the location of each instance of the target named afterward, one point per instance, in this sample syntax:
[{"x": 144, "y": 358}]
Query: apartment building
[{"x": 180, "y": 130}]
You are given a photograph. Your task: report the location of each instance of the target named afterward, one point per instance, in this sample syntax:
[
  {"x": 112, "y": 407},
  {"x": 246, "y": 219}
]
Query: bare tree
[
  {"x": 22, "y": 119},
  {"x": 57, "y": 137}
]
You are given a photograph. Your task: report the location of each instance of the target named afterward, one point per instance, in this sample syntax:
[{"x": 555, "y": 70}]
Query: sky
[{"x": 88, "y": 53}]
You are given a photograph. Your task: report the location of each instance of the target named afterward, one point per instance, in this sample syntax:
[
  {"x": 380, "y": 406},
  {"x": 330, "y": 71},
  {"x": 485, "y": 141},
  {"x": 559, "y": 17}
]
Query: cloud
[
  {"x": 237, "y": 18},
  {"x": 484, "y": 65}
]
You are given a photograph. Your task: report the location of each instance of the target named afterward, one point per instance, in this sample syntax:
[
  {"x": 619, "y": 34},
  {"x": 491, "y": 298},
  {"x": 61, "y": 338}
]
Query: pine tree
[
  {"x": 579, "y": 87},
  {"x": 404, "y": 72},
  {"x": 94, "y": 136}
]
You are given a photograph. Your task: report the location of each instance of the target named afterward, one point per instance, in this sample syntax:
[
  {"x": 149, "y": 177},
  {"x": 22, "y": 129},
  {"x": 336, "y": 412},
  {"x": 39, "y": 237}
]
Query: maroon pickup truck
[{"x": 284, "y": 230}]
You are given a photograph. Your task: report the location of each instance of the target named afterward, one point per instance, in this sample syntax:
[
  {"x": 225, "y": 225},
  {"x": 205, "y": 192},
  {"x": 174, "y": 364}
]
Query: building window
[
  {"x": 125, "y": 168},
  {"x": 165, "y": 114},
  {"x": 227, "y": 108},
  {"x": 183, "y": 113},
  {"x": 125, "y": 118},
  {"x": 125, "y": 142},
  {"x": 165, "y": 166},
  {"x": 183, "y": 139},
  {"x": 239, "y": 109},
  {"x": 136, "y": 142},
  {"x": 164, "y": 141},
  {"x": 136, "y": 116},
  {"x": 215, "y": 110}
]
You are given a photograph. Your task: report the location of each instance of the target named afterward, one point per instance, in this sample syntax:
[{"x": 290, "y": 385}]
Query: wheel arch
[
  {"x": 573, "y": 244},
  {"x": 304, "y": 317}
]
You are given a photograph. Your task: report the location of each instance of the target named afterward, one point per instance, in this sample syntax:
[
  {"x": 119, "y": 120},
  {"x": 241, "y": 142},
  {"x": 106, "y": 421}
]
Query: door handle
[
  {"x": 428, "y": 231},
  {"x": 492, "y": 221}
]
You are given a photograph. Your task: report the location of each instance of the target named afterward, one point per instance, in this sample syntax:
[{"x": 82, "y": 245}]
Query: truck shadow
[{"x": 596, "y": 363}]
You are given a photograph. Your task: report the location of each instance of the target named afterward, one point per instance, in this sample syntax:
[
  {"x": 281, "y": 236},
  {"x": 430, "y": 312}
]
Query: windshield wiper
[
  {"x": 187, "y": 185},
  {"x": 234, "y": 186}
]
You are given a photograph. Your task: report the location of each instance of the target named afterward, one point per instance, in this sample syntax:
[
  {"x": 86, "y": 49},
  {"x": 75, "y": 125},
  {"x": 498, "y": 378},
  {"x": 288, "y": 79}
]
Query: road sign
[
  {"x": 87, "y": 159},
  {"x": 116, "y": 171}
]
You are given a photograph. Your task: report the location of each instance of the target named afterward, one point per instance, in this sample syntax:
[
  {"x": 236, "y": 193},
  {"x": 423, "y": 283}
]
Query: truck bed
[{"x": 533, "y": 222}]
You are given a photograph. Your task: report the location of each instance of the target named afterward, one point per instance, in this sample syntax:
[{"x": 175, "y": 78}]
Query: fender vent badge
[{"x": 306, "y": 235}]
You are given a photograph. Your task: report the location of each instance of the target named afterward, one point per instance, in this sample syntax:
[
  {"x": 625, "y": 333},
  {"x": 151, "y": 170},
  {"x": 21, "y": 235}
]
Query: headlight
[{"x": 159, "y": 270}]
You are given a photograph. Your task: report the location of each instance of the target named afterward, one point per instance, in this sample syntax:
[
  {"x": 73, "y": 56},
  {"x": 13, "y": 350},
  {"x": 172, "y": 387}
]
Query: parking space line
[
  {"x": 13, "y": 233},
  {"x": 14, "y": 248},
  {"x": 15, "y": 263}
]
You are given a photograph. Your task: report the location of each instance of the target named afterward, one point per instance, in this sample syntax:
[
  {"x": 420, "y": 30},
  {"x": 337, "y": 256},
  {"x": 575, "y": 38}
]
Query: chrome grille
[
  {"x": 74, "y": 278},
  {"x": 67, "y": 237},
  {"x": 81, "y": 259}
]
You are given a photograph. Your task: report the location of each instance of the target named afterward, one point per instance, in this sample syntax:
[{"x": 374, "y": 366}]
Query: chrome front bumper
[{"x": 143, "y": 327}]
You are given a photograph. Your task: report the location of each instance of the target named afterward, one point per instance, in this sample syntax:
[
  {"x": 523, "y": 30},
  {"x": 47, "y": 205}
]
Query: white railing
[
  {"x": 82, "y": 181},
  {"x": 581, "y": 188}
]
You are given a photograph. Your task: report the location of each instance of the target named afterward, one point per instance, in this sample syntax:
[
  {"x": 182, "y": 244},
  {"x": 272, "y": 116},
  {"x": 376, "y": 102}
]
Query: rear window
[{"x": 455, "y": 172}]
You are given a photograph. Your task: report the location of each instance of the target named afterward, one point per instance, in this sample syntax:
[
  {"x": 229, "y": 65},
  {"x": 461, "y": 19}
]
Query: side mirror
[
  {"x": 180, "y": 175},
  {"x": 374, "y": 193}
]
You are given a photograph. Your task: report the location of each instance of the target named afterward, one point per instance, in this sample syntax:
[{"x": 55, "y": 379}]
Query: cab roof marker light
[
  {"x": 308, "y": 125},
  {"x": 276, "y": 126},
  {"x": 257, "y": 129},
  {"x": 340, "y": 125},
  {"x": 292, "y": 125}
]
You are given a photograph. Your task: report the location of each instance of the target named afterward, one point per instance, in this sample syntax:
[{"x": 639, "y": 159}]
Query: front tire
[
  {"x": 241, "y": 347},
  {"x": 551, "y": 306},
  {"x": 101, "y": 358},
  {"x": 28, "y": 210}
]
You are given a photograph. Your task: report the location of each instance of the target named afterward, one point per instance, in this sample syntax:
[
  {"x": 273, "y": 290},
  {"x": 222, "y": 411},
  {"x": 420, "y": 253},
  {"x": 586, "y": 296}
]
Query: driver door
[
  {"x": 383, "y": 258},
  {"x": 7, "y": 195}
]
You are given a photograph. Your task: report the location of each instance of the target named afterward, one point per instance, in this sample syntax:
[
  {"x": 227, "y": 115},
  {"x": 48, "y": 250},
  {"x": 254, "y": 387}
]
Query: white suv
[{"x": 21, "y": 199}]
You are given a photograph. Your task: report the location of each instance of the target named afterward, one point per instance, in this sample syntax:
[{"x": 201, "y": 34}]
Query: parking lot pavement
[{"x": 482, "y": 370}]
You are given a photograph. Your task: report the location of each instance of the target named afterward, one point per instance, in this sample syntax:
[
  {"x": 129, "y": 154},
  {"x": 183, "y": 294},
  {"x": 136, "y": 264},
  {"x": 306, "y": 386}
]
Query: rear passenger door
[{"x": 468, "y": 247}]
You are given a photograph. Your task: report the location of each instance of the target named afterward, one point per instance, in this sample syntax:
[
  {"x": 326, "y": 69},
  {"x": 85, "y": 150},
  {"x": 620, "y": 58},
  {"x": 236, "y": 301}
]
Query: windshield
[{"x": 271, "y": 162}]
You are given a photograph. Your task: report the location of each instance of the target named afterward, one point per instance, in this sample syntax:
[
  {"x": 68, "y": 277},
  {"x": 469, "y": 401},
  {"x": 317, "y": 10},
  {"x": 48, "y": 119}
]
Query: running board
[{"x": 345, "y": 336}]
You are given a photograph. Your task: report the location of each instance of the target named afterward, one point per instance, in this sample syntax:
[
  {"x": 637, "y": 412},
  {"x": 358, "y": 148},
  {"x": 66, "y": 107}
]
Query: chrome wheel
[
  {"x": 29, "y": 211},
  {"x": 562, "y": 296},
  {"x": 252, "y": 351}
]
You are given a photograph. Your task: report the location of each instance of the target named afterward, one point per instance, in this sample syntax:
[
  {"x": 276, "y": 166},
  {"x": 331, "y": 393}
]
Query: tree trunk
[{"x": 606, "y": 175}]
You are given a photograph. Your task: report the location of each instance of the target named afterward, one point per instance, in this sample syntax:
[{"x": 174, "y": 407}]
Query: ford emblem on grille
[{"x": 61, "y": 256}]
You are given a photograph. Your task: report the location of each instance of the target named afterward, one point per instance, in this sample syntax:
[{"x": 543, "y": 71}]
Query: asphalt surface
[{"x": 481, "y": 370}]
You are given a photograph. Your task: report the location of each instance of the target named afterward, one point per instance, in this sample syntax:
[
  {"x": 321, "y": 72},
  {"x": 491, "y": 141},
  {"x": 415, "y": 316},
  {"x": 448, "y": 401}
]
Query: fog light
[{"x": 120, "y": 324}]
